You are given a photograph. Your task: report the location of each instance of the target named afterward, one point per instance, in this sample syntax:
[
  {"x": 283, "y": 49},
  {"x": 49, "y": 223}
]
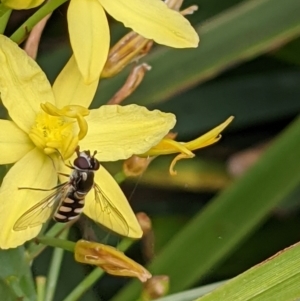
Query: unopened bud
[
  {"x": 135, "y": 166},
  {"x": 156, "y": 287},
  {"x": 145, "y": 222},
  {"x": 148, "y": 240},
  {"x": 176, "y": 5},
  {"x": 109, "y": 259},
  {"x": 133, "y": 81},
  {"x": 189, "y": 10},
  {"x": 130, "y": 48}
]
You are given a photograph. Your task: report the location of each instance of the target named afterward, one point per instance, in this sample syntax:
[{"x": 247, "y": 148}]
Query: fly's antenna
[
  {"x": 77, "y": 150},
  {"x": 94, "y": 154}
]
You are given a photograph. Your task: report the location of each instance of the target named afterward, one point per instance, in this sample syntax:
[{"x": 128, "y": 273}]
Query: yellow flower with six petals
[
  {"x": 89, "y": 29},
  {"x": 46, "y": 119}
]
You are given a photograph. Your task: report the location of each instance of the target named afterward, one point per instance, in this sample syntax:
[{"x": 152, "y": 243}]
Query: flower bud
[
  {"x": 135, "y": 166},
  {"x": 145, "y": 222},
  {"x": 148, "y": 240},
  {"x": 156, "y": 287}
]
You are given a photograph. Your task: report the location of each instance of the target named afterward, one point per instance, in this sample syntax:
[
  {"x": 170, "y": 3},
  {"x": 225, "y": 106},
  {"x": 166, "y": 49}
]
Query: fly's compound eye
[
  {"x": 82, "y": 163},
  {"x": 95, "y": 165}
]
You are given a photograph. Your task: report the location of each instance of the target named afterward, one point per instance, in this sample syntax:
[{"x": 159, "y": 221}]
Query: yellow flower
[
  {"x": 34, "y": 135},
  {"x": 169, "y": 146},
  {"x": 89, "y": 29},
  {"x": 109, "y": 259},
  {"x": 22, "y": 4}
]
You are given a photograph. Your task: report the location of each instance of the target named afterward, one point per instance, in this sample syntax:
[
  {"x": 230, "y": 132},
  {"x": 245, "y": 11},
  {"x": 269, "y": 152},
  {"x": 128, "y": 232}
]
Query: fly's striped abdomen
[{"x": 70, "y": 208}]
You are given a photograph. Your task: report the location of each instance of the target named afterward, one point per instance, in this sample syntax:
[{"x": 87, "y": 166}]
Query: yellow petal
[
  {"x": 23, "y": 85},
  {"x": 168, "y": 146},
  {"x": 113, "y": 211},
  {"x": 154, "y": 20},
  {"x": 210, "y": 137},
  {"x": 22, "y": 4},
  {"x": 15, "y": 202},
  {"x": 14, "y": 143},
  {"x": 117, "y": 132},
  {"x": 69, "y": 87},
  {"x": 89, "y": 36}
]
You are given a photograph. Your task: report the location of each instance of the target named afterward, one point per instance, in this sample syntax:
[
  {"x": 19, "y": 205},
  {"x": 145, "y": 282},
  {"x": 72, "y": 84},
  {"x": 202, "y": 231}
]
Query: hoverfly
[{"x": 69, "y": 199}]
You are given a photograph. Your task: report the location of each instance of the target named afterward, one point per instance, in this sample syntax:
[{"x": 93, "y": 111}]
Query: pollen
[{"x": 54, "y": 134}]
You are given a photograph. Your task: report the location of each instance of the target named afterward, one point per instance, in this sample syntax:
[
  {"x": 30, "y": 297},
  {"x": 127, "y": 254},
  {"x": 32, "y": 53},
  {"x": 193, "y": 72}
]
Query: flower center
[{"x": 59, "y": 130}]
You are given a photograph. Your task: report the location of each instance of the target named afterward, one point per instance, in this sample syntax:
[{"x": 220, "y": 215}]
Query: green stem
[
  {"x": 21, "y": 33},
  {"x": 57, "y": 243},
  {"x": 35, "y": 249},
  {"x": 84, "y": 285},
  {"x": 120, "y": 177},
  {"x": 3, "y": 9},
  {"x": 40, "y": 287},
  {"x": 4, "y": 17},
  {"x": 91, "y": 278},
  {"x": 54, "y": 269}
]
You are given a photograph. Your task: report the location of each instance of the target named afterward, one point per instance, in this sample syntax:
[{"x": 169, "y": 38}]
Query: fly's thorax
[{"x": 85, "y": 181}]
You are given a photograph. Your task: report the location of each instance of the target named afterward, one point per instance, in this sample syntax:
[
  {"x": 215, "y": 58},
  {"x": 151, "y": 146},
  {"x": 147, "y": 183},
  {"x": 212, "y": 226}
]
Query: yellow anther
[
  {"x": 50, "y": 109},
  {"x": 83, "y": 127},
  {"x": 72, "y": 111}
]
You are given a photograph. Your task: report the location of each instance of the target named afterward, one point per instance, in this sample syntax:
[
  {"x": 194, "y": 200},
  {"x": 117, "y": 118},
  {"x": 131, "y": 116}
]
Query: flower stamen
[{"x": 55, "y": 129}]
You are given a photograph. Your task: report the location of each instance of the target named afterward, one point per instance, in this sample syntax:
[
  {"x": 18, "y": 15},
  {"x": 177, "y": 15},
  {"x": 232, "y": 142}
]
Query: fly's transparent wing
[
  {"x": 43, "y": 210},
  {"x": 108, "y": 206},
  {"x": 108, "y": 213}
]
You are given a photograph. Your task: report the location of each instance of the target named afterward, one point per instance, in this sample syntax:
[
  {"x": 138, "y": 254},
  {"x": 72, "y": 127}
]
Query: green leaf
[
  {"x": 277, "y": 278},
  {"x": 242, "y": 33},
  {"x": 190, "y": 295},
  {"x": 290, "y": 52},
  {"x": 252, "y": 98},
  {"x": 6, "y": 292},
  {"x": 15, "y": 271},
  {"x": 230, "y": 218}
]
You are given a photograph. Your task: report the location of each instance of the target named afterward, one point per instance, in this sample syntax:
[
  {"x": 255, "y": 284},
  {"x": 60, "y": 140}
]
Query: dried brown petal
[
  {"x": 130, "y": 48},
  {"x": 133, "y": 81},
  {"x": 33, "y": 40},
  {"x": 109, "y": 259}
]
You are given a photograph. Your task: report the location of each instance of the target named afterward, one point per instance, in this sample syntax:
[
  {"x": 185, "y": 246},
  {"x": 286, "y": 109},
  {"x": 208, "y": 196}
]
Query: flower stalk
[{"x": 22, "y": 32}]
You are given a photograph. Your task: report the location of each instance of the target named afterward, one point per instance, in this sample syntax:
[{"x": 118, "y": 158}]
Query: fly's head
[{"x": 86, "y": 161}]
